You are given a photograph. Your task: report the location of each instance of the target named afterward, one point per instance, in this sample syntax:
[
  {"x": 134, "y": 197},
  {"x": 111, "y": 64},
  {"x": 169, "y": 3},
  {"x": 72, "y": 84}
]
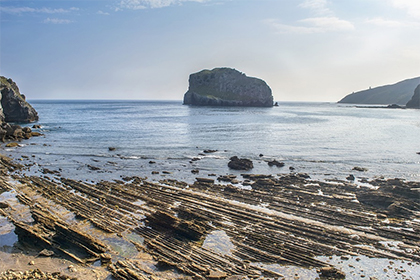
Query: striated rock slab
[
  {"x": 227, "y": 87},
  {"x": 285, "y": 219}
]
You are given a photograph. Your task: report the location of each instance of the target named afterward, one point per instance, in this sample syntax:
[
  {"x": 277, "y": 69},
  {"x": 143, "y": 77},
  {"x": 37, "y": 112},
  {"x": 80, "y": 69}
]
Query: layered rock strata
[{"x": 284, "y": 219}]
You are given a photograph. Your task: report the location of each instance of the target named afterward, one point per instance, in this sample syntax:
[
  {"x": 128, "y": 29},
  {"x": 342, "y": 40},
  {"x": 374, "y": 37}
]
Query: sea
[{"x": 96, "y": 140}]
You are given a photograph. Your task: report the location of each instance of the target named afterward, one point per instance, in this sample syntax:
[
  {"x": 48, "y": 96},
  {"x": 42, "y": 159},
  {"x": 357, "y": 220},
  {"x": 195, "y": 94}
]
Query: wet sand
[{"x": 284, "y": 226}]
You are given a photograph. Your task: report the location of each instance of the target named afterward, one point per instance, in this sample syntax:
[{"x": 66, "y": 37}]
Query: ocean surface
[{"x": 325, "y": 140}]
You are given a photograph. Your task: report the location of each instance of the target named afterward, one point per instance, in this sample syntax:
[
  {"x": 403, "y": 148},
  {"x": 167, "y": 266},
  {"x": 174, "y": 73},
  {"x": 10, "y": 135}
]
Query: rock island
[{"x": 227, "y": 87}]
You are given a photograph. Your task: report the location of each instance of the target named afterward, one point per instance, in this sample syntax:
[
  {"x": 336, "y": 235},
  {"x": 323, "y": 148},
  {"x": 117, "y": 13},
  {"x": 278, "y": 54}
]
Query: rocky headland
[
  {"x": 415, "y": 100},
  {"x": 399, "y": 94},
  {"x": 14, "y": 109},
  {"x": 227, "y": 87}
]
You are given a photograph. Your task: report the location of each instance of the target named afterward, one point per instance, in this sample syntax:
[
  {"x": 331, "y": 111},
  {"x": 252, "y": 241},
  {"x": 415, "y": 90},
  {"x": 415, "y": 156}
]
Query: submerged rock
[
  {"x": 275, "y": 163},
  {"x": 227, "y": 87},
  {"x": 360, "y": 169}
]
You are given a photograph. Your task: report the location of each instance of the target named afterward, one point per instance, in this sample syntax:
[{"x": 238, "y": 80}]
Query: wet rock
[
  {"x": 231, "y": 189},
  {"x": 275, "y": 163},
  {"x": 36, "y": 126},
  {"x": 398, "y": 208},
  {"x": 36, "y": 134},
  {"x": 105, "y": 258},
  {"x": 350, "y": 177},
  {"x": 3, "y": 204},
  {"x": 360, "y": 169},
  {"x": 192, "y": 230},
  {"x": 375, "y": 198},
  {"x": 155, "y": 172},
  {"x": 226, "y": 178},
  {"x": 331, "y": 273},
  {"x": 303, "y": 175},
  {"x": 215, "y": 274},
  {"x": 205, "y": 180},
  {"x": 152, "y": 162},
  {"x": 240, "y": 164},
  {"x": 111, "y": 149},
  {"x": 195, "y": 171},
  {"x": 12, "y": 145},
  {"x": 46, "y": 253},
  {"x": 256, "y": 176},
  {"x": 264, "y": 182},
  {"x": 93, "y": 168},
  {"x": 381, "y": 216},
  {"x": 209, "y": 151}
]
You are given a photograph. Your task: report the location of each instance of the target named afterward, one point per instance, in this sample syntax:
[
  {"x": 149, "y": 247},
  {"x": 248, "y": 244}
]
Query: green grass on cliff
[{"x": 4, "y": 81}]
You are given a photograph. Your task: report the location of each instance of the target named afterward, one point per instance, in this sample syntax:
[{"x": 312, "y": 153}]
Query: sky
[{"x": 306, "y": 50}]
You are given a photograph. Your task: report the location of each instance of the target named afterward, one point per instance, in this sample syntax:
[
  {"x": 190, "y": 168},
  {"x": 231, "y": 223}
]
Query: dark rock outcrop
[
  {"x": 415, "y": 100},
  {"x": 240, "y": 163},
  {"x": 227, "y": 87},
  {"x": 14, "y": 107},
  {"x": 399, "y": 93}
]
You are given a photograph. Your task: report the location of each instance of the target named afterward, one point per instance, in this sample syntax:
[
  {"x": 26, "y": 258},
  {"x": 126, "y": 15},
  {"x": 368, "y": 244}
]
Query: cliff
[
  {"x": 415, "y": 100},
  {"x": 227, "y": 87},
  {"x": 399, "y": 93},
  {"x": 14, "y": 107}
]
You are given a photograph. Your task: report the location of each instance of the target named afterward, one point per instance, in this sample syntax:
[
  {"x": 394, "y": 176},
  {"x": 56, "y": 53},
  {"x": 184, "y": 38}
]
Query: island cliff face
[
  {"x": 415, "y": 100},
  {"x": 399, "y": 93},
  {"x": 14, "y": 107},
  {"x": 227, "y": 87}
]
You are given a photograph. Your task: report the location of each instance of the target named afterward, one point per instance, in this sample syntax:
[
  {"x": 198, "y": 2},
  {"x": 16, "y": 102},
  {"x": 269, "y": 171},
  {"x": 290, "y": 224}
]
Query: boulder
[
  {"x": 415, "y": 100},
  {"x": 275, "y": 163},
  {"x": 14, "y": 107},
  {"x": 329, "y": 272},
  {"x": 240, "y": 164},
  {"x": 227, "y": 87}
]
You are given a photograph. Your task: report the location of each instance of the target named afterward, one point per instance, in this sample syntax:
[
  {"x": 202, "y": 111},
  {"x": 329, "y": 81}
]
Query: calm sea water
[{"x": 325, "y": 140}]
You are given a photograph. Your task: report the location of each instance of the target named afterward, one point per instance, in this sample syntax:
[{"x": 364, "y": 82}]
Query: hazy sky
[{"x": 306, "y": 50}]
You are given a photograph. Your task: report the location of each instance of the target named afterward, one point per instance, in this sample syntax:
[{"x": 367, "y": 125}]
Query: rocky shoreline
[{"x": 137, "y": 229}]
